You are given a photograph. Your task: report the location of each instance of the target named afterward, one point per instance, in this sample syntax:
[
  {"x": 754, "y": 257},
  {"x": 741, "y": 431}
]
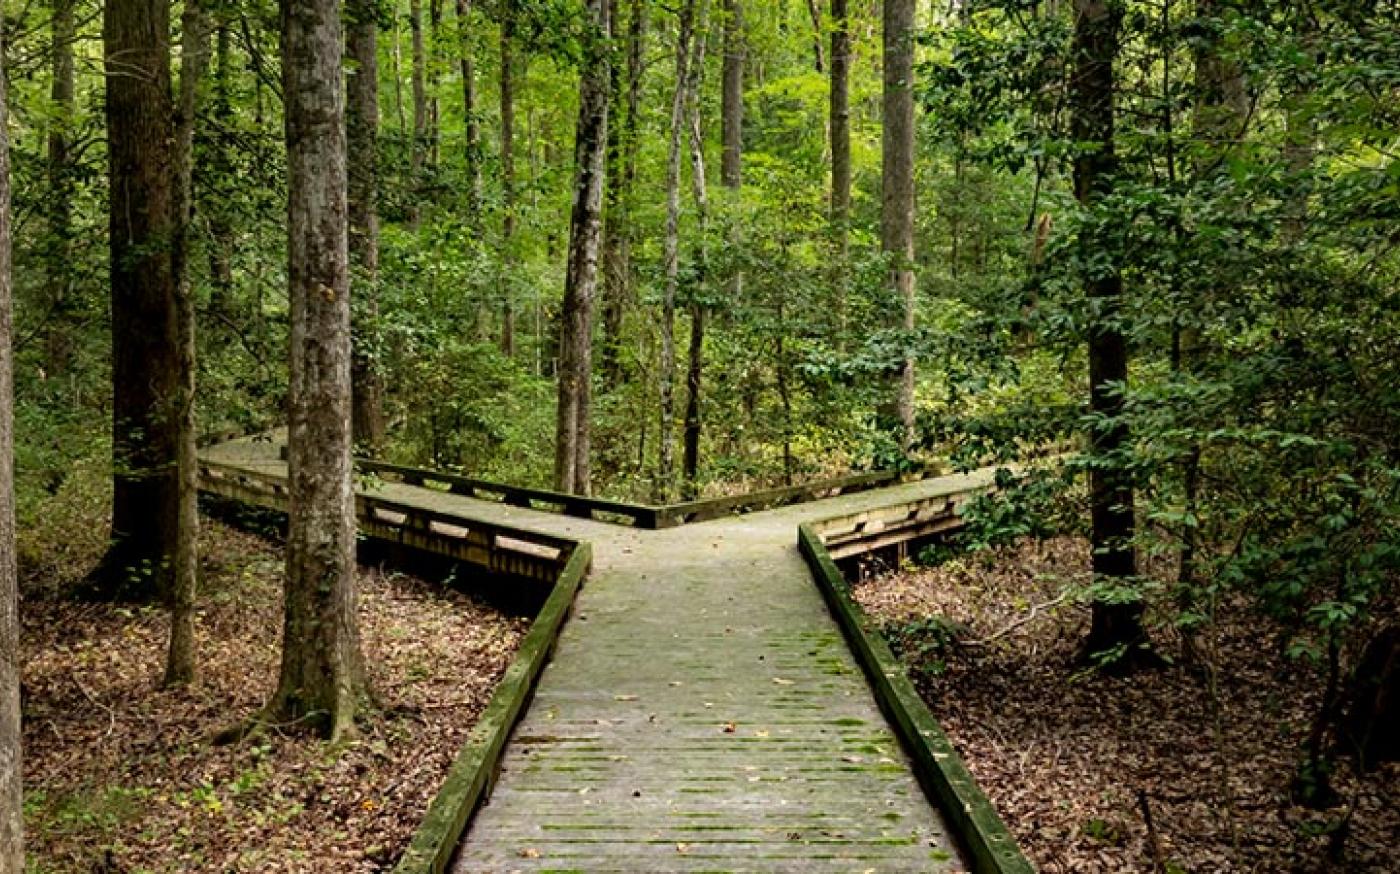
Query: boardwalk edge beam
[
  {"x": 991, "y": 847},
  {"x": 470, "y": 779}
]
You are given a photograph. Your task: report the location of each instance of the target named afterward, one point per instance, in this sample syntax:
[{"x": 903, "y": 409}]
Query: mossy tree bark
[{"x": 321, "y": 680}]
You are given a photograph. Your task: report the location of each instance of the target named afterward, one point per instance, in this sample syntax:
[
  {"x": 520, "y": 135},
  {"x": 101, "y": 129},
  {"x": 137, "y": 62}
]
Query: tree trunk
[
  {"x": 416, "y": 154},
  {"x": 815, "y": 11},
  {"x": 573, "y": 426},
  {"x": 666, "y": 462},
  {"x": 840, "y": 121},
  {"x": 897, "y": 190},
  {"x": 473, "y": 124},
  {"x": 1221, "y": 110},
  {"x": 507, "y": 172},
  {"x": 59, "y": 340},
  {"x": 434, "y": 77},
  {"x": 396, "y": 71},
  {"x": 1115, "y": 624},
  {"x": 146, "y": 364},
  {"x": 695, "y": 360},
  {"x": 732, "y": 96},
  {"x": 183, "y": 514},
  {"x": 1371, "y": 723},
  {"x": 221, "y": 167},
  {"x": 11, "y": 785},
  {"x": 362, "y": 147},
  {"x": 472, "y": 150},
  {"x": 615, "y": 251},
  {"x": 321, "y": 680},
  {"x": 1300, "y": 131}
]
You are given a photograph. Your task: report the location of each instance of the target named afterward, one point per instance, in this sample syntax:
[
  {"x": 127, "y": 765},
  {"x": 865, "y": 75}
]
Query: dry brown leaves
[
  {"x": 1068, "y": 758},
  {"x": 121, "y": 776}
]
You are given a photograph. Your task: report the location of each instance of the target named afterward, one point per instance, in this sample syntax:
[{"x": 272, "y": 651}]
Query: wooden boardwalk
[{"x": 702, "y": 711}]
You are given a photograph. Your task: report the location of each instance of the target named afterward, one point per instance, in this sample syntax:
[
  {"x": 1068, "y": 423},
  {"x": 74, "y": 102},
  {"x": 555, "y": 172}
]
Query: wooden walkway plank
[{"x": 702, "y": 711}]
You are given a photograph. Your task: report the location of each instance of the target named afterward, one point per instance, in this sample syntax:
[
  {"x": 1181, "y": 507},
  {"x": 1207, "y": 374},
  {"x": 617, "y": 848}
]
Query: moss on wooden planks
[
  {"x": 471, "y": 776},
  {"x": 940, "y": 769}
]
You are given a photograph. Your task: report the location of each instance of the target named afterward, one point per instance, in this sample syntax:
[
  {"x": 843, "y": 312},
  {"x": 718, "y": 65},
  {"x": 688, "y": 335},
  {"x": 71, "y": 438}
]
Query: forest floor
[
  {"x": 121, "y": 776},
  {"x": 1073, "y": 759}
]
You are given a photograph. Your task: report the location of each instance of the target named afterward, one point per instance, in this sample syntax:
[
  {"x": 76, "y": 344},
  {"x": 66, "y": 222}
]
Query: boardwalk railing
[
  {"x": 559, "y": 562},
  {"x": 989, "y": 844},
  {"x": 473, "y": 773},
  {"x": 896, "y": 525},
  {"x": 489, "y": 546},
  {"x": 637, "y": 515}
]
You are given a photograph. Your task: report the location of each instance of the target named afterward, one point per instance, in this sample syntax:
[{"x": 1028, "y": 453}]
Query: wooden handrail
[
  {"x": 857, "y": 533},
  {"x": 642, "y": 516},
  {"x": 491, "y": 545}
]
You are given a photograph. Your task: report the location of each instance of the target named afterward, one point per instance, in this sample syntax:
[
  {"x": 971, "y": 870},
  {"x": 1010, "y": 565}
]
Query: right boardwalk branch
[{"x": 989, "y": 845}]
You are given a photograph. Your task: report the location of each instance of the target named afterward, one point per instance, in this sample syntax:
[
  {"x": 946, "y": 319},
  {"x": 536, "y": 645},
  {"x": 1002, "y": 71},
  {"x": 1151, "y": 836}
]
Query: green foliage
[{"x": 925, "y": 643}]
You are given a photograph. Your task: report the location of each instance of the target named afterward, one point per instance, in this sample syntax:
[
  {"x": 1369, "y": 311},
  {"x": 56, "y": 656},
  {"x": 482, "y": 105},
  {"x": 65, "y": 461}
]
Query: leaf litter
[
  {"x": 121, "y": 775},
  {"x": 1076, "y": 763}
]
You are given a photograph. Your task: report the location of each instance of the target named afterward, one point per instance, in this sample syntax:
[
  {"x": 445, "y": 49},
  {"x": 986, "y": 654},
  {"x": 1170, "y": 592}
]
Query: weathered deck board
[{"x": 702, "y": 711}]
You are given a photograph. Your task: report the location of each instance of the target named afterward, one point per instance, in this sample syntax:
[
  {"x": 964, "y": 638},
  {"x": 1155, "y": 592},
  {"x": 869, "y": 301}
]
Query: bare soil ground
[
  {"x": 121, "y": 777},
  {"x": 1077, "y": 762}
]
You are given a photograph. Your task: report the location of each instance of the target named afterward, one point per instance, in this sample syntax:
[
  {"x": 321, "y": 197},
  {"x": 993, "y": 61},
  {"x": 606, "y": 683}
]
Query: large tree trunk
[
  {"x": 362, "y": 145},
  {"x": 11, "y": 785},
  {"x": 897, "y": 190},
  {"x": 1116, "y": 624},
  {"x": 507, "y": 172},
  {"x": 321, "y": 679},
  {"x": 59, "y": 339},
  {"x": 695, "y": 361},
  {"x": 840, "y": 123},
  {"x": 666, "y": 463},
  {"x": 183, "y": 514},
  {"x": 573, "y": 426},
  {"x": 146, "y": 363}
]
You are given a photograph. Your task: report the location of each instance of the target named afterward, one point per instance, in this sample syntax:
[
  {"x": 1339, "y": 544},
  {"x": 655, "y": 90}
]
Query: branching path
[{"x": 702, "y": 711}]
